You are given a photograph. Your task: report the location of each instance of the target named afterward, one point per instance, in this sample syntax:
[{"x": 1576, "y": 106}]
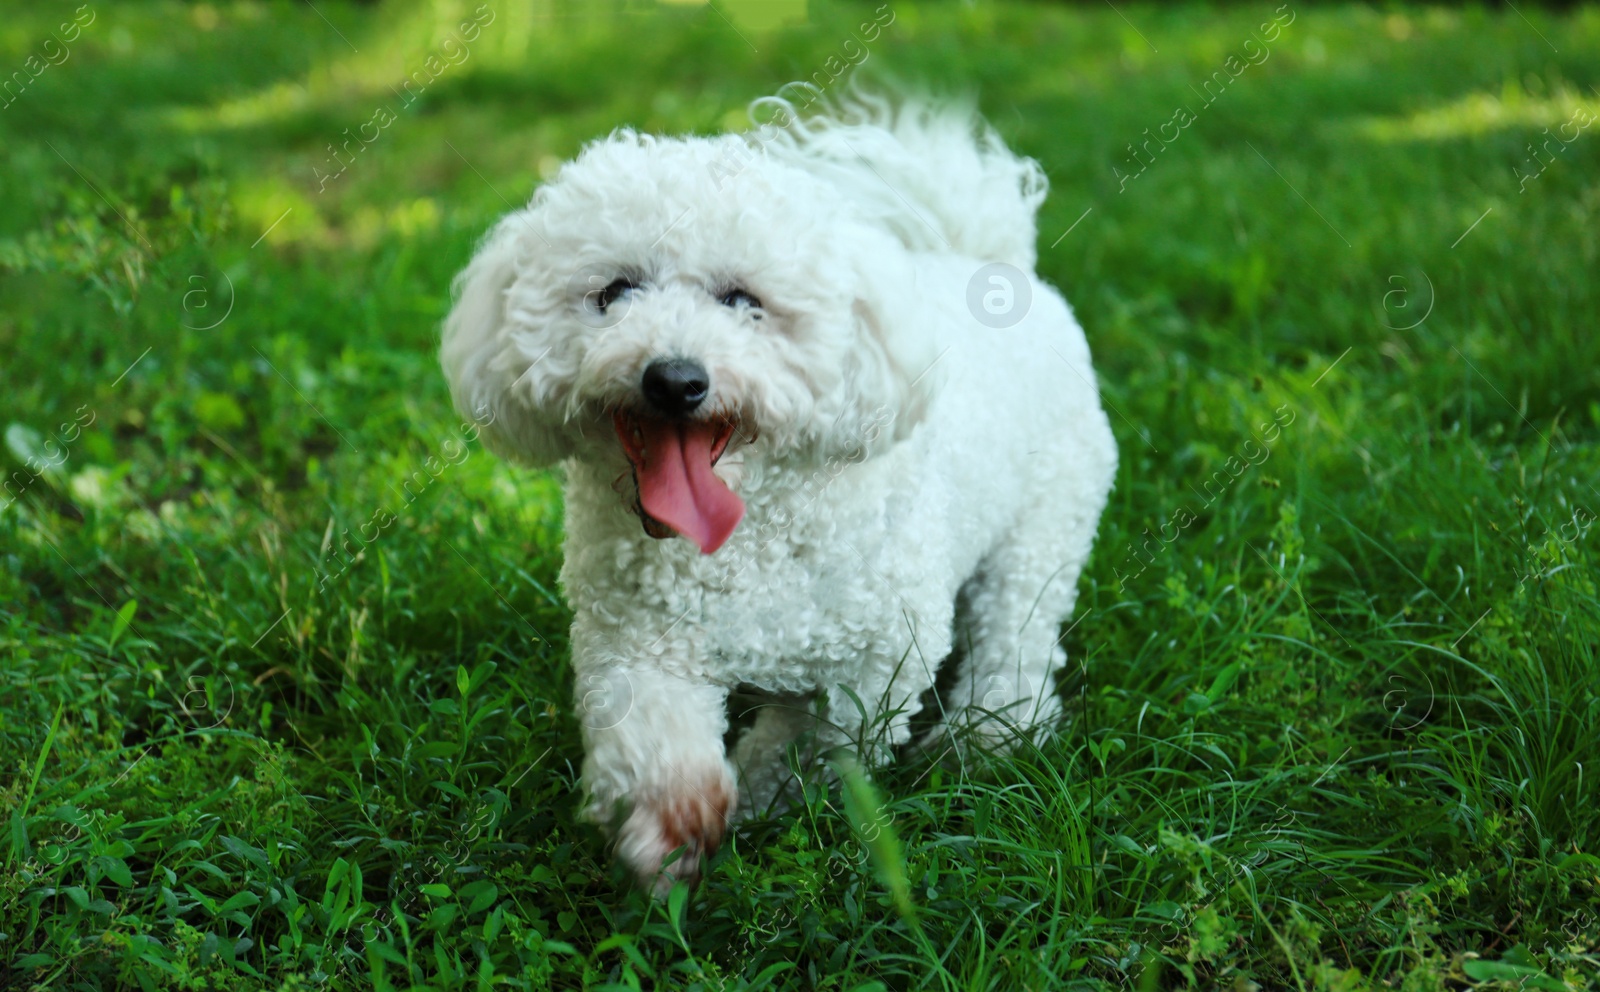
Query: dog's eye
[
  {"x": 614, "y": 291},
  {"x": 736, "y": 297}
]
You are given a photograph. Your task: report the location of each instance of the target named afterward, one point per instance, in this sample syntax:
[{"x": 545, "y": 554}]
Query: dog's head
[{"x": 666, "y": 301}]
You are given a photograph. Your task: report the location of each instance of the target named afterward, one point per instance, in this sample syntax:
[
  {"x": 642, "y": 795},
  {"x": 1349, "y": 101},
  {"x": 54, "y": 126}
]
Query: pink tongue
[{"x": 678, "y": 488}]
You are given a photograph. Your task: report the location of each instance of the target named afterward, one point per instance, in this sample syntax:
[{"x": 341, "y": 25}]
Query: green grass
[{"x": 1336, "y": 728}]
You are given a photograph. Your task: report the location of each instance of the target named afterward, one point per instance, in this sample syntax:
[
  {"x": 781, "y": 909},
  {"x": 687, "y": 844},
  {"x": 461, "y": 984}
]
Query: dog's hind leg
[
  {"x": 872, "y": 710},
  {"x": 761, "y": 755},
  {"x": 1010, "y": 627},
  {"x": 889, "y": 692}
]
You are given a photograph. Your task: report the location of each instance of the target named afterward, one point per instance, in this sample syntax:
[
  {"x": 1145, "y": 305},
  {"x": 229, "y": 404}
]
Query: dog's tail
[{"x": 933, "y": 173}]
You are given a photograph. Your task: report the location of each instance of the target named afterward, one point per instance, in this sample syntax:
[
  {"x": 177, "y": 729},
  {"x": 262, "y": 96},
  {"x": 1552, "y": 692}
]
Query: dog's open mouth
[{"x": 678, "y": 492}]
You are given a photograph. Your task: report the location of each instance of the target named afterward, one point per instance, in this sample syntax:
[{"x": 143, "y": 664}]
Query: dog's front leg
[{"x": 654, "y": 766}]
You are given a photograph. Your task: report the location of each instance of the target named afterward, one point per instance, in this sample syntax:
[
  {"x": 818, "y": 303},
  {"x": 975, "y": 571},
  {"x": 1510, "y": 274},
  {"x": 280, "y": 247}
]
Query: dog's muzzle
[{"x": 672, "y": 454}]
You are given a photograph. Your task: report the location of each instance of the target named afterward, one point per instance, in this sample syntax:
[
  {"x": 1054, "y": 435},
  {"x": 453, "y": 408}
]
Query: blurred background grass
[{"x": 1338, "y": 732}]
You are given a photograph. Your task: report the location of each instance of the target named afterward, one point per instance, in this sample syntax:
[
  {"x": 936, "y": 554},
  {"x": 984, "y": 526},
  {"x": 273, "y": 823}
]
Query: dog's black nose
[{"x": 675, "y": 386}]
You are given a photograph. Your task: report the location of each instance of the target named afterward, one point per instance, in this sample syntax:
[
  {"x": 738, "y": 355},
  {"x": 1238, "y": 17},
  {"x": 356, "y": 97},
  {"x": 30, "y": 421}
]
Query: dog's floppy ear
[{"x": 494, "y": 362}]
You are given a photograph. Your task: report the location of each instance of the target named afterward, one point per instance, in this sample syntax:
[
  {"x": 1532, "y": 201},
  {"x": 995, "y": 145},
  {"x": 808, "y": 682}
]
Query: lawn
[{"x": 1334, "y": 721}]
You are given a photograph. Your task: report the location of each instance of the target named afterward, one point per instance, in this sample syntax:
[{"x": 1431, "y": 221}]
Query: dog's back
[{"x": 934, "y": 173}]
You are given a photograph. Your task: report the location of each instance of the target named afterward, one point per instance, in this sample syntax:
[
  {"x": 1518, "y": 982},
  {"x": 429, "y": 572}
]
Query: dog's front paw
[{"x": 690, "y": 813}]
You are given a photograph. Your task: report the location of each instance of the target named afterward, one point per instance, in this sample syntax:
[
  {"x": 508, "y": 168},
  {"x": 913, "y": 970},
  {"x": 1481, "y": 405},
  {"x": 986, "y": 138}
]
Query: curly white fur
[{"x": 911, "y": 478}]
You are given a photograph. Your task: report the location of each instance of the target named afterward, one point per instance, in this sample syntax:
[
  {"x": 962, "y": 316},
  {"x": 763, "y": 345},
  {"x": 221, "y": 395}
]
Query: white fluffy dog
[{"x": 822, "y": 428}]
